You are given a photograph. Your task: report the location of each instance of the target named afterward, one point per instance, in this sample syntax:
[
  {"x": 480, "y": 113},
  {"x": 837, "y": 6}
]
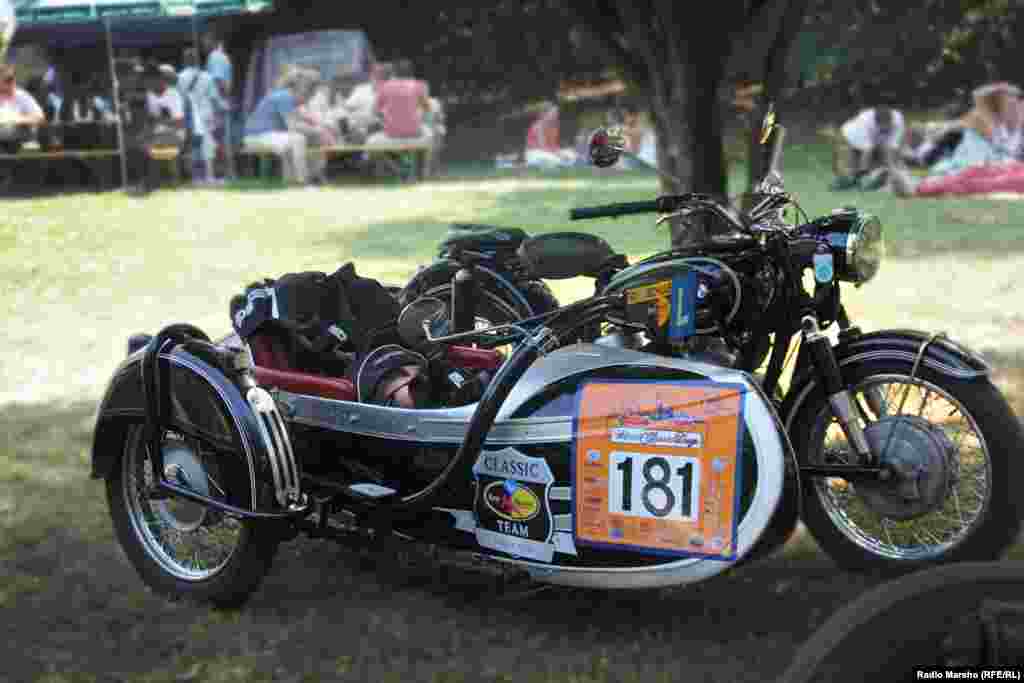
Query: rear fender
[
  {"x": 942, "y": 355},
  {"x": 206, "y": 404}
]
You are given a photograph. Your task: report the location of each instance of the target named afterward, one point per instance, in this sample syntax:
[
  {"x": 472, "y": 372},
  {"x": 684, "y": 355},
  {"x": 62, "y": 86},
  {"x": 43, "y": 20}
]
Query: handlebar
[
  {"x": 663, "y": 204},
  {"x": 666, "y": 204},
  {"x": 613, "y": 210}
]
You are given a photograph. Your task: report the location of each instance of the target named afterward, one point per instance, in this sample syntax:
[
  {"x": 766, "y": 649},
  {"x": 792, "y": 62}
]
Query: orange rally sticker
[
  {"x": 656, "y": 466},
  {"x": 659, "y": 294}
]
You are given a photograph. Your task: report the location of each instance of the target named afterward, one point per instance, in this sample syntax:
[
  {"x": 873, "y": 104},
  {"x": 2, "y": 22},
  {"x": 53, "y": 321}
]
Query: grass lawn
[{"x": 79, "y": 274}]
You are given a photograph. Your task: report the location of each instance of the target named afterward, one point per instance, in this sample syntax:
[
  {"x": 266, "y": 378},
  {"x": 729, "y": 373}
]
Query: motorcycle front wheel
[
  {"x": 953, "y": 447},
  {"x": 182, "y": 550}
]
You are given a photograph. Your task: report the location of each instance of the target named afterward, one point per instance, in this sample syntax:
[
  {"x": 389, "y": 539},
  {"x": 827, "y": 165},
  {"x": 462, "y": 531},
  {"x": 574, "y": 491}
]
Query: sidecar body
[{"x": 605, "y": 467}]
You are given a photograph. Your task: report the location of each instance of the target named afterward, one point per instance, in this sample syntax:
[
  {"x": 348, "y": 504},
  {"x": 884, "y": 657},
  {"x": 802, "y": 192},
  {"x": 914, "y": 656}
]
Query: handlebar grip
[{"x": 612, "y": 210}]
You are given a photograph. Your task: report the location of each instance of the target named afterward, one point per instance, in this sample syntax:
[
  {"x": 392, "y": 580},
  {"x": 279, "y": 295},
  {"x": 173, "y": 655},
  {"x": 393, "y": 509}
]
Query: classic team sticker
[
  {"x": 667, "y": 479},
  {"x": 511, "y": 504}
]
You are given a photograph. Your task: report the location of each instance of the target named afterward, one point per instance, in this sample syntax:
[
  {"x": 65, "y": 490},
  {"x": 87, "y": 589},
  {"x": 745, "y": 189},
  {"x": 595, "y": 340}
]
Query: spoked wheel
[
  {"x": 183, "y": 550},
  {"x": 951, "y": 447},
  {"x": 963, "y": 615}
]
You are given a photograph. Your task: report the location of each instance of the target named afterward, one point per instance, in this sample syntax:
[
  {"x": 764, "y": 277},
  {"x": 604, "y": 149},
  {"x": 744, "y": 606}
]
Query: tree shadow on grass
[{"x": 70, "y": 600}]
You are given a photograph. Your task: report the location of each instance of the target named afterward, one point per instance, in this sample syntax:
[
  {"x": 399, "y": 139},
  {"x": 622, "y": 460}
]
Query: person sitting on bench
[
  {"x": 166, "y": 112},
  {"x": 19, "y": 112},
  {"x": 269, "y": 129}
]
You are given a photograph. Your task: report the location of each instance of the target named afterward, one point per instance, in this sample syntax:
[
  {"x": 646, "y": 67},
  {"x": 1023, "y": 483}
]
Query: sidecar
[{"x": 604, "y": 467}]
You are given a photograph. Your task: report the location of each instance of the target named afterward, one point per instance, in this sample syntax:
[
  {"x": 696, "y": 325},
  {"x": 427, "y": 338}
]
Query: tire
[
  {"x": 491, "y": 306},
  {"x": 998, "y": 520},
  {"x": 902, "y": 624},
  {"x": 230, "y": 585}
]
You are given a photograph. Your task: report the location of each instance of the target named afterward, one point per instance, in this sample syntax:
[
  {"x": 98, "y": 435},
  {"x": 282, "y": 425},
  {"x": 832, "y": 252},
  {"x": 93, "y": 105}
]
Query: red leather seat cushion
[{"x": 273, "y": 369}]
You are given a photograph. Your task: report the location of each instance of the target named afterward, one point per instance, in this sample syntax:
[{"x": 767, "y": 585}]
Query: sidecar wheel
[
  {"x": 957, "y": 446},
  {"x": 181, "y": 550}
]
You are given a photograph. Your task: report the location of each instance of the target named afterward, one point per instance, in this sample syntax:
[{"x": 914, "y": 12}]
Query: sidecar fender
[
  {"x": 204, "y": 402},
  {"x": 942, "y": 355}
]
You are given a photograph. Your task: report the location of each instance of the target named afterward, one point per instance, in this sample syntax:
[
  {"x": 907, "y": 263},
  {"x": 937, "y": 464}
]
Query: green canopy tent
[{"x": 71, "y": 23}]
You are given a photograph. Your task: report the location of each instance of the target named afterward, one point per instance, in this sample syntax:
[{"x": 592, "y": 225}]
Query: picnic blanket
[
  {"x": 1001, "y": 177},
  {"x": 976, "y": 167}
]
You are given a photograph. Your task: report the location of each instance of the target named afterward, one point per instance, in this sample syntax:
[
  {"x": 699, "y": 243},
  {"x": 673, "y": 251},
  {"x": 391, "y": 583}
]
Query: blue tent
[
  {"x": 126, "y": 23},
  {"x": 133, "y": 23}
]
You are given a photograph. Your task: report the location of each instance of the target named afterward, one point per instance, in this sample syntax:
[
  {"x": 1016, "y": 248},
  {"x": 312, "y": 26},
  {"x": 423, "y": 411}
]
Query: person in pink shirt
[
  {"x": 543, "y": 140},
  {"x": 402, "y": 101}
]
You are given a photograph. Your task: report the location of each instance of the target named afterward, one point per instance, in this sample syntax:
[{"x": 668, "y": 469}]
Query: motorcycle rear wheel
[
  {"x": 874, "y": 529},
  {"x": 181, "y": 550}
]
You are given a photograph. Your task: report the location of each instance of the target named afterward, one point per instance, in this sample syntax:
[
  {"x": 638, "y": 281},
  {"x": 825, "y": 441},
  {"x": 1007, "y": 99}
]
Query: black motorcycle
[
  {"x": 648, "y": 457},
  {"x": 503, "y": 290},
  {"x": 908, "y": 445}
]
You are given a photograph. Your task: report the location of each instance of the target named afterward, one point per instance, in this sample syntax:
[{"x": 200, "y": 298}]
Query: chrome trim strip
[
  {"x": 289, "y": 453},
  {"x": 563, "y": 543},
  {"x": 560, "y": 493},
  {"x": 422, "y": 426},
  {"x": 279, "y": 451},
  {"x": 241, "y": 432}
]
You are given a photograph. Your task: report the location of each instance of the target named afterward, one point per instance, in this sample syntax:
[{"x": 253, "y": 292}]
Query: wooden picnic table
[
  {"x": 27, "y": 154},
  {"x": 419, "y": 148},
  {"x": 99, "y": 173}
]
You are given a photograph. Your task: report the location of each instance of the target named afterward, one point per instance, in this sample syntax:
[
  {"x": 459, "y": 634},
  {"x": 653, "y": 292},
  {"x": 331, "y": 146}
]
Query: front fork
[{"x": 840, "y": 398}]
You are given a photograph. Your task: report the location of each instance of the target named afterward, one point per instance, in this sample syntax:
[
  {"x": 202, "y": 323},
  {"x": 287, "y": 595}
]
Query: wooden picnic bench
[
  {"x": 420, "y": 149},
  {"x": 101, "y": 173}
]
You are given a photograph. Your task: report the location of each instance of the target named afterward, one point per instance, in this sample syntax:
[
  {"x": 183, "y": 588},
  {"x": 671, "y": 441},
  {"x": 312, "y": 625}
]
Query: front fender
[
  {"x": 204, "y": 403},
  {"x": 942, "y": 355}
]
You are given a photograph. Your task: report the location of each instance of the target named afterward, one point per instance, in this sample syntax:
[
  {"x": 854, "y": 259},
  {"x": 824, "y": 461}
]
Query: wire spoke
[{"x": 934, "y": 529}]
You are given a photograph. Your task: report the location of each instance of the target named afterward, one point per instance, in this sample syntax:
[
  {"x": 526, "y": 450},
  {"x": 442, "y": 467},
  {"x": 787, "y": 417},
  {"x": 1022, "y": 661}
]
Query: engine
[{"x": 732, "y": 294}]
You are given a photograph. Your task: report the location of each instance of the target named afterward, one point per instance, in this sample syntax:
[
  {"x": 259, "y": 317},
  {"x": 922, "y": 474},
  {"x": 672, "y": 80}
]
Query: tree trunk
[{"x": 685, "y": 107}]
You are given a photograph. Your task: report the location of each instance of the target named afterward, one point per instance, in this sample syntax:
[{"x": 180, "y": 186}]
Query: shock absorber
[{"x": 839, "y": 398}]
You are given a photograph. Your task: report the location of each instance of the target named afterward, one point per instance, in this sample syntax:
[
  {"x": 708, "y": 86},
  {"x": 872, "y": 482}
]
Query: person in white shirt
[
  {"x": 198, "y": 89},
  {"x": 434, "y": 120},
  {"x": 872, "y": 141},
  {"x": 361, "y": 105},
  {"x": 165, "y": 104},
  {"x": 19, "y": 111},
  {"x": 166, "y": 110},
  {"x": 1008, "y": 133},
  {"x": 8, "y": 23}
]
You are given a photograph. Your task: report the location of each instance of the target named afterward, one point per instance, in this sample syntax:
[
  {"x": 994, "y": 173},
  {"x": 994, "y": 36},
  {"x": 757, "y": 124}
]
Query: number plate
[
  {"x": 655, "y": 468},
  {"x": 667, "y": 302}
]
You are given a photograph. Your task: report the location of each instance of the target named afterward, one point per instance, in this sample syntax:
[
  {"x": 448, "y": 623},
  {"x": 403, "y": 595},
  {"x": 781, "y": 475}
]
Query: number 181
[{"x": 656, "y": 486}]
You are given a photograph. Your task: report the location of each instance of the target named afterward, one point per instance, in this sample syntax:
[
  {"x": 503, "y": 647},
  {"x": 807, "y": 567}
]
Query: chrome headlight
[
  {"x": 857, "y": 244},
  {"x": 865, "y": 250}
]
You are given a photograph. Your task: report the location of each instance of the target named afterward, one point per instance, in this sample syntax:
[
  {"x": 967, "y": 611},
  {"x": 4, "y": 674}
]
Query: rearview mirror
[
  {"x": 768, "y": 124},
  {"x": 606, "y": 146}
]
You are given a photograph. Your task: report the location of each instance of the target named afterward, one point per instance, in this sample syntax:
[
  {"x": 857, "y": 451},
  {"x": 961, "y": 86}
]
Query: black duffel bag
[{"x": 325, "y": 319}]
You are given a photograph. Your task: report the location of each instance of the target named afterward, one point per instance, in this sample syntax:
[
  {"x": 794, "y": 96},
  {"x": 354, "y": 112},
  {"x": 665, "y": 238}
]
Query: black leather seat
[{"x": 476, "y": 237}]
